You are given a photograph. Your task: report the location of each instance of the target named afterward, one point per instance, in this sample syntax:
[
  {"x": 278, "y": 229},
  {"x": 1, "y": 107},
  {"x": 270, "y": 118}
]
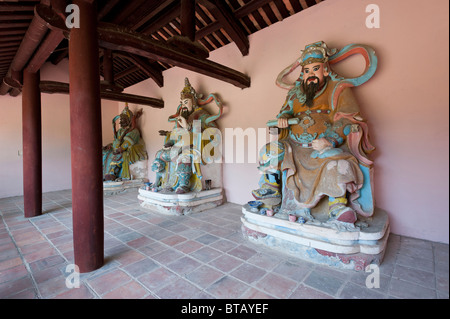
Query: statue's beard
[
  {"x": 185, "y": 113},
  {"x": 310, "y": 90}
]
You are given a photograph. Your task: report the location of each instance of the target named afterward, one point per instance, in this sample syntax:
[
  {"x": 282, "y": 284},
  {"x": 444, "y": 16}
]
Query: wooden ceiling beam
[
  {"x": 225, "y": 17},
  {"x": 240, "y": 13},
  {"x": 125, "y": 72},
  {"x": 121, "y": 39},
  {"x": 44, "y": 51},
  {"x": 12, "y": 31},
  {"x": 14, "y": 16},
  {"x": 63, "y": 88},
  {"x": 6, "y": 45},
  {"x": 168, "y": 13},
  {"x": 166, "y": 7},
  {"x": 9, "y": 39},
  {"x": 146, "y": 67},
  {"x": 187, "y": 18},
  {"x": 13, "y": 7},
  {"x": 107, "y": 8},
  {"x": 118, "y": 38}
]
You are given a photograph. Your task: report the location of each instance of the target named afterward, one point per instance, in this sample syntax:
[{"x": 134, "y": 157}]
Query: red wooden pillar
[
  {"x": 86, "y": 140},
  {"x": 32, "y": 144}
]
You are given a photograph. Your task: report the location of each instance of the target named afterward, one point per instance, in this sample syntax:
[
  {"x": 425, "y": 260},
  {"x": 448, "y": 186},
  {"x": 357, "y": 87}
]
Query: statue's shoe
[
  {"x": 109, "y": 177},
  {"x": 182, "y": 190},
  {"x": 344, "y": 214},
  {"x": 264, "y": 193}
]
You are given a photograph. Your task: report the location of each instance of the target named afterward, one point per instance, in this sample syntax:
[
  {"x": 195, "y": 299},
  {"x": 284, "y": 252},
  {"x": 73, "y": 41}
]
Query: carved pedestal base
[
  {"x": 112, "y": 188},
  {"x": 170, "y": 203},
  {"x": 334, "y": 244}
]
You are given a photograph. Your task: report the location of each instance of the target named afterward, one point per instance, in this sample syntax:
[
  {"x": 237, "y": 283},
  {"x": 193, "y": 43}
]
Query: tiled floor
[{"x": 203, "y": 255}]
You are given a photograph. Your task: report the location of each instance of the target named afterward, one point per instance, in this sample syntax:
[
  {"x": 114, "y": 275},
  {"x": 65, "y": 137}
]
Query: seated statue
[
  {"x": 322, "y": 143},
  {"x": 178, "y": 164},
  {"x": 127, "y": 148}
]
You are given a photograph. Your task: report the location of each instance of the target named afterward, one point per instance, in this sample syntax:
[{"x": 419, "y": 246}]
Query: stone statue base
[
  {"x": 170, "y": 203},
  {"x": 332, "y": 243},
  {"x": 113, "y": 188},
  {"x": 138, "y": 172}
]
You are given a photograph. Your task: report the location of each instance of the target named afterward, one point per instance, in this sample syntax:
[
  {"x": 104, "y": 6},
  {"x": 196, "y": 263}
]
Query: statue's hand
[
  {"x": 282, "y": 122},
  {"x": 107, "y": 147},
  {"x": 182, "y": 122},
  {"x": 321, "y": 144},
  {"x": 118, "y": 151}
]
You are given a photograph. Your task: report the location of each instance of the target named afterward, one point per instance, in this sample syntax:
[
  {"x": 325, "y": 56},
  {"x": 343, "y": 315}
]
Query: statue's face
[
  {"x": 314, "y": 73},
  {"x": 124, "y": 120},
  {"x": 186, "y": 104}
]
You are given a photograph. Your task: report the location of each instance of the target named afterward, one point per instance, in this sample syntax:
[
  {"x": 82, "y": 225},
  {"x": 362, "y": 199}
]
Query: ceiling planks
[{"x": 209, "y": 24}]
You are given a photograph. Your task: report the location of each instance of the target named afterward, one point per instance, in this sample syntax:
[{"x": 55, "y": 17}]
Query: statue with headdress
[
  {"x": 178, "y": 165},
  {"x": 127, "y": 148},
  {"x": 321, "y": 150}
]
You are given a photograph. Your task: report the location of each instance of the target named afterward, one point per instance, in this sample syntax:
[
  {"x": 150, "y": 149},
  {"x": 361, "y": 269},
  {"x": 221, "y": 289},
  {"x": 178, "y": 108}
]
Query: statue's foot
[
  {"x": 109, "y": 177},
  {"x": 182, "y": 190},
  {"x": 344, "y": 214}
]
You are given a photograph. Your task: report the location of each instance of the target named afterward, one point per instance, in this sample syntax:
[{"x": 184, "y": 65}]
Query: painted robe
[
  {"x": 309, "y": 175},
  {"x": 134, "y": 150},
  {"x": 183, "y": 167}
]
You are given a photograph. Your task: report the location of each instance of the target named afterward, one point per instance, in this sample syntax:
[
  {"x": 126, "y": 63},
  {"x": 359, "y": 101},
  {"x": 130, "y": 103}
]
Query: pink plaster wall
[
  {"x": 406, "y": 102},
  {"x": 56, "y": 165}
]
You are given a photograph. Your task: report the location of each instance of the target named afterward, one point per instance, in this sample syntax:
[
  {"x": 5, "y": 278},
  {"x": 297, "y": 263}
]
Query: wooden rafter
[
  {"x": 63, "y": 88},
  {"x": 118, "y": 38},
  {"x": 227, "y": 20},
  {"x": 184, "y": 27}
]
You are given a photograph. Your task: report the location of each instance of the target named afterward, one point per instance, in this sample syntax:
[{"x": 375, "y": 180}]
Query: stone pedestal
[
  {"x": 170, "y": 203},
  {"x": 138, "y": 172},
  {"x": 113, "y": 188},
  {"x": 332, "y": 243}
]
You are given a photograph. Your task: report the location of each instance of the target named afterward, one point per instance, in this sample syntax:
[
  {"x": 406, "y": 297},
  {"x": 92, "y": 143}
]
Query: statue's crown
[
  {"x": 188, "y": 91},
  {"x": 316, "y": 52},
  {"x": 126, "y": 111}
]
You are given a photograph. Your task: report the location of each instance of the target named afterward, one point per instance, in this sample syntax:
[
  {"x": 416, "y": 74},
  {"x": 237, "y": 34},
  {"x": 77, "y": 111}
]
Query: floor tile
[
  {"x": 248, "y": 273},
  {"x": 108, "y": 281},
  {"x": 305, "y": 292},
  {"x": 225, "y": 263},
  {"x": 204, "y": 276},
  {"x": 353, "y": 291},
  {"x": 407, "y": 290},
  {"x": 178, "y": 289},
  {"x": 184, "y": 265},
  {"x": 242, "y": 252},
  {"x": 140, "y": 267},
  {"x": 130, "y": 290},
  {"x": 416, "y": 276},
  {"x": 157, "y": 278},
  {"x": 323, "y": 282},
  {"x": 203, "y": 255},
  {"x": 276, "y": 285},
  {"x": 227, "y": 288}
]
